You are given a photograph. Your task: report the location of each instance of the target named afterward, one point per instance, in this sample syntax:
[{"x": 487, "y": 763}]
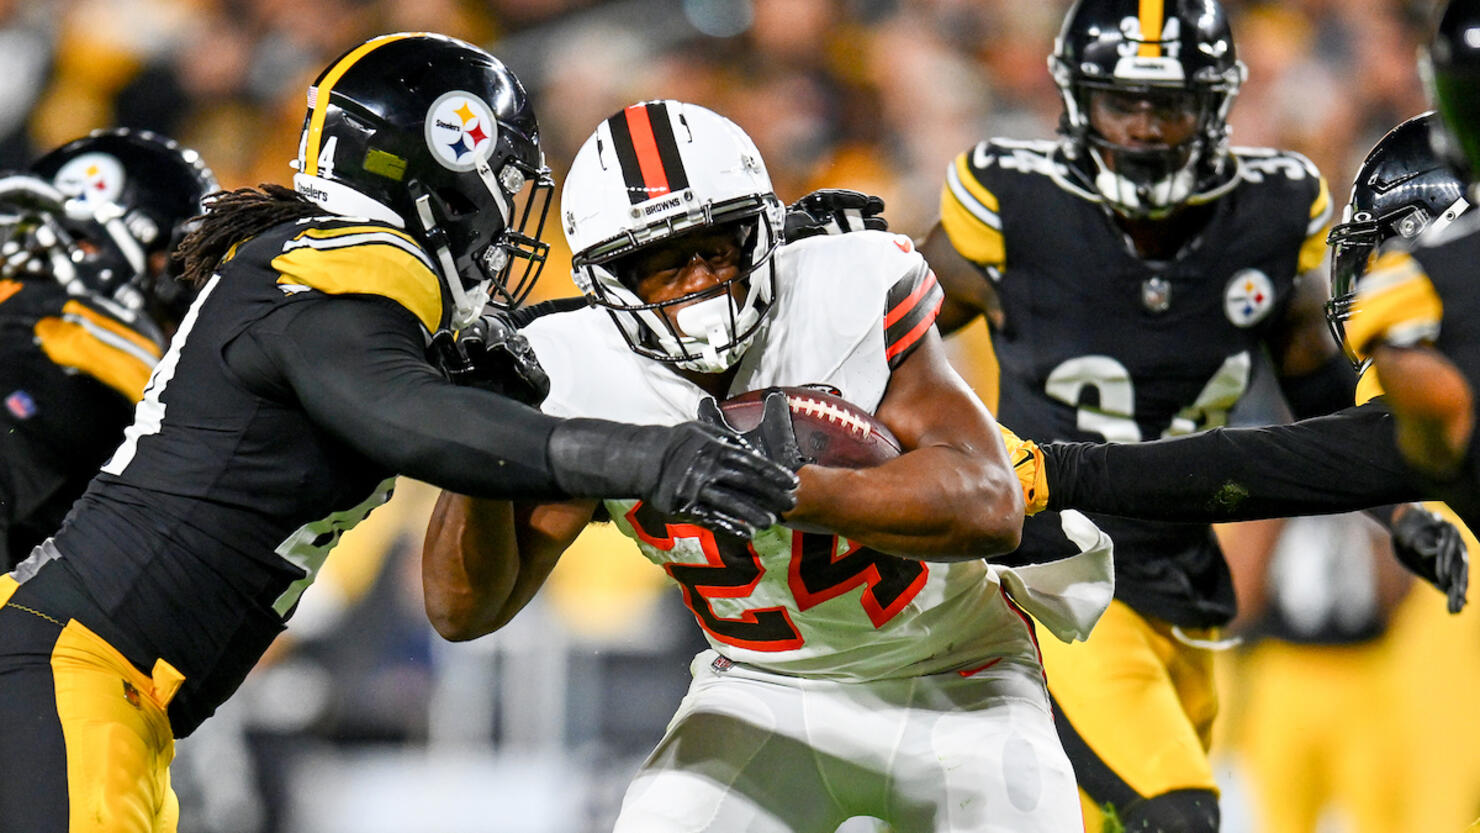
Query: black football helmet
[
  {"x": 1403, "y": 189},
  {"x": 133, "y": 195},
  {"x": 438, "y": 137},
  {"x": 1180, "y": 53},
  {"x": 1451, "y": 69}
]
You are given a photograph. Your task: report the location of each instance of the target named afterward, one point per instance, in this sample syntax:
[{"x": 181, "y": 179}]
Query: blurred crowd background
[{"x": 362, "y": 720}]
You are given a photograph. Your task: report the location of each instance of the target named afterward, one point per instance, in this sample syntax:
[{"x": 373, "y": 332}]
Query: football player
[
  {"x": 866, "y": 658},
  {"x": 1131, "y": 274},
  {"x": 295, "y": 389},
  {"x": 1335, "y": 463},
  {"x": 1409, "y": 313},
  {"x": 86, "y": 302}
]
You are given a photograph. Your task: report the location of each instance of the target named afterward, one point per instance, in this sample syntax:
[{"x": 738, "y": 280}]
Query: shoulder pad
[
  {"x": 1396, "y": 303},
  {"x": 91, "y": 340},
  {"x": 362, "y": 258}
]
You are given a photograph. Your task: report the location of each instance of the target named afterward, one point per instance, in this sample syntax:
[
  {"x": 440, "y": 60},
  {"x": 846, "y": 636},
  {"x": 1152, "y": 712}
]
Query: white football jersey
[{"x": 846, "y": 308}]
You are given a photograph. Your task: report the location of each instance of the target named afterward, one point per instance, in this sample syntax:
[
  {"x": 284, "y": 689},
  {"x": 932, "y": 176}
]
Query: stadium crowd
[{"x": 876, "y": 95}]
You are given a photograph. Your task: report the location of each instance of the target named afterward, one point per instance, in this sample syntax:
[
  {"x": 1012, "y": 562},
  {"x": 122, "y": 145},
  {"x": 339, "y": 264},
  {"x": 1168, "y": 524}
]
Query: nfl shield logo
[
  {"x": 20, "y": 404},
  {"x": 1249, "y": 297},
  {"x": 1156, "y": 294}
]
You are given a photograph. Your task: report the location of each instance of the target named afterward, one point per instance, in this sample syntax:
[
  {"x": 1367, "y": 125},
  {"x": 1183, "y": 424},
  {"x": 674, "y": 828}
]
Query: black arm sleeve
[
  {"x": 1326, "y": 390},
  {"x": 1342, "y": 462},
  {"x": 356, "y": 365}
]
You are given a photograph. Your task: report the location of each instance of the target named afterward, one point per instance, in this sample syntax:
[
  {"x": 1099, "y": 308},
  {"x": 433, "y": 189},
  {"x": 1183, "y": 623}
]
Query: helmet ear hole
[{"x": 456, "y": 203}]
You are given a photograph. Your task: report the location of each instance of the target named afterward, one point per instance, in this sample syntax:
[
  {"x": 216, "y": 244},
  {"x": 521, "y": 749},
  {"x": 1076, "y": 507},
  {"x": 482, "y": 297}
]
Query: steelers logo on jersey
[
  {"x": 1248, "y": 298},
  {"x": 461, "y": 130},
  {"x": 91, "y": 177}
]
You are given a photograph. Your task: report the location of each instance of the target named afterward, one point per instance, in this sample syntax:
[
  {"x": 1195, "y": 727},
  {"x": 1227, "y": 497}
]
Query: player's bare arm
[
  {"x": 483, "y": 560},
  {"x": 951, "y": 496},
  {"x": 968, "y": 292},
  {"x": 1433, "y": 404}
]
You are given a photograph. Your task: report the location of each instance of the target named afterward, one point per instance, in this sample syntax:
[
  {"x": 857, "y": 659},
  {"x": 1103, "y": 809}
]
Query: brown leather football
[{"x": 829, "y": 429}]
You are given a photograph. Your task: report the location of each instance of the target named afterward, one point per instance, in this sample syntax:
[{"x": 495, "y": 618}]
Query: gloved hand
[
  {"x": 690, "y": 472},
  {"x": 834, "y": 211},
  {"x": 492, "y": 355},
  {"x": 1432, "y": 549},
  {"x": 710, "y": 477},
  {"x": 774, "y": 436},
  {"x": 1031, "y": 470}
]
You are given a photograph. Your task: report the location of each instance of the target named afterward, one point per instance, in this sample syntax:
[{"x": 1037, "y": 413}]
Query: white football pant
[{"x": 754, "y": 752}]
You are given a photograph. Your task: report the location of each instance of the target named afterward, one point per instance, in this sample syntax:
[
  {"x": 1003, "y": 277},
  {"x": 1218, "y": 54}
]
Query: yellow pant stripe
[{"x": 117, "y": 735}]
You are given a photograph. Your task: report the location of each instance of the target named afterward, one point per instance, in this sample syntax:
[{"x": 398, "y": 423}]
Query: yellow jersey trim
[
  {"x": 1313, "y": 250},
  {"x": 363, "y": 260},
  {"x": 86, "y": 341},
  {"x": 8, "y": 586},
  {"x": 1396, "y": 303},
  {"x": 969, "y": 215}
]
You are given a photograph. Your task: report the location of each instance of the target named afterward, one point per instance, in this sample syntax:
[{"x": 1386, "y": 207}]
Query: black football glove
[
  {"x": 1434, "y": 550},
  {"x": 689, "y": 472},
  {"x": 713, "y": 480},
  {"x": 834, "y": 211},
  {"x": 774, "y": 436},
  {"x": 492, "y": 355}
]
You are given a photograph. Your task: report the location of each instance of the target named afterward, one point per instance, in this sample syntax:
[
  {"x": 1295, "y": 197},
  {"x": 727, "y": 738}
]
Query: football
[{"x": 829, "y": 429}]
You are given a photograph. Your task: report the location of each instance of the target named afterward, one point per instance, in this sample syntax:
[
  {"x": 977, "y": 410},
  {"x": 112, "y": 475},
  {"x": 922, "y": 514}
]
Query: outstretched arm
[{"x": 1337, "y": 463}]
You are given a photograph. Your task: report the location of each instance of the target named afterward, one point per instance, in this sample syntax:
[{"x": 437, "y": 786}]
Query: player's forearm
[
  {"x": 484, "y": 560},
  {"x": 1338, "y": 463},
  {"x": 1433, "y": 404},
  {"x": 933, "y": 504},
  {"x": 469, "y": 566}
]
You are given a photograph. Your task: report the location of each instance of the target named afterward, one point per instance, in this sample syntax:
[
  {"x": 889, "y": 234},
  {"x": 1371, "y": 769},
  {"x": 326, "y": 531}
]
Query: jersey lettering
[
  {"x": 149, "y": 415},
  {"x": 326, "y": 157},
  {"x": 1114, "y": 418},
  {"x": 821, "y": 567},
  {"x": 733, "y": 571},
  {"x": 309, "y": 545},
  {"x": 1256, "y": 169},
  {"x": 824, "y": 566}
]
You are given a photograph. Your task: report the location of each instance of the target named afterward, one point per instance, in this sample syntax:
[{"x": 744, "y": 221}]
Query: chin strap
[{"x": 467, "y": 304}]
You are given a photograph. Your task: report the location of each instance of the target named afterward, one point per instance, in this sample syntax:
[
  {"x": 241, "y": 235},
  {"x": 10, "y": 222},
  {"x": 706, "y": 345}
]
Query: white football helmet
[{"x": 654, "y": 171}]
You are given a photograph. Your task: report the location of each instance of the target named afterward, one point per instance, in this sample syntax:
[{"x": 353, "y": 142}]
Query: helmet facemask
[
  {"x": 489, "y": 249},
  {"x": 1355, "y": 244},
  {"x": 1179, "y": 62},
  {"x": 1403, "y": 190},
  {"x": 708, "y": 330},
  {"x": 648, "y": 176}
]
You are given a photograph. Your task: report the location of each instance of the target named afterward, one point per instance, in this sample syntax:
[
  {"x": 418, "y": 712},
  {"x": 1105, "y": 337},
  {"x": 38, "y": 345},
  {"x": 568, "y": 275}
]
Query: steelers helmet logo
[
  {"x": 460, "y": 130},
  {"x": 1249, "y": 297},
  {"x": 91, "y": 177}
]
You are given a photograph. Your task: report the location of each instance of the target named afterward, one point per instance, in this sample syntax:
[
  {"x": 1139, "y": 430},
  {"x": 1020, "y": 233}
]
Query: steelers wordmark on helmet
[{"x": 461, "y": 130}]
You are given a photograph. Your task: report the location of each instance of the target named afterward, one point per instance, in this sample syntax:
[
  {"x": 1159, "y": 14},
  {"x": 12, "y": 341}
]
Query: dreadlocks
[{"x": 234, "y": 216}]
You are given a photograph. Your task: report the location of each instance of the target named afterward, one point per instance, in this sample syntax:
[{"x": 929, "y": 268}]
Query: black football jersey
[
  {"x": 196, "y": 541},
  {"x": 1101, "y": 345},
  {"x": 74, "y": 367}
]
